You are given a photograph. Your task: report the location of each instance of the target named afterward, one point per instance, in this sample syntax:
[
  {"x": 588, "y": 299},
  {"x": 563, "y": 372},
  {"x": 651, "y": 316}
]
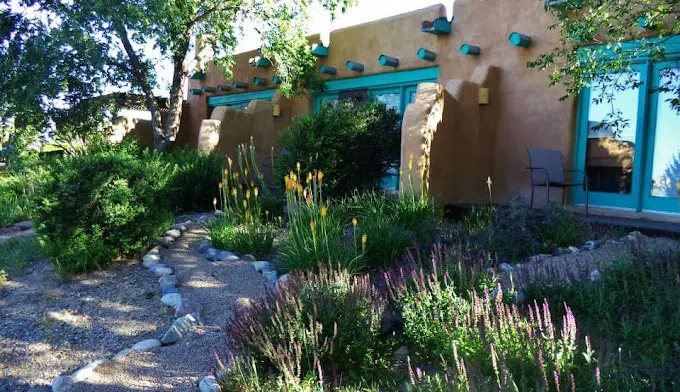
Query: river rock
[
  {"x": 24, "y": 225},
  {"x": 168, "y": 289},
  {"x": 187, "y": 306},
  {"x": 505, "y": 267},
  {"x": 248, "y": 257},
  {"x": 592, "y": 245},
  {"x": 209, "y": 384},
  {"x": 86, "y": 371},
  {"x": 179, "y": 328},
  {"x": 62, "y": 383},
  {"x": 151, "y": 258},
  {"x": 271, "y": 276},
  {"x": 174, "y": 233},
  {"x": 121, "y": 354},
  {"x": 167, "y": 280},
  {"x": 574, "y": 249},
  {"x": 163, "y": 271},
  {"x": 211, "y": 254},
  {"x": 146, "y": 345},
  {"x": 171, "y": 300},
  {"x": 261, "y": 266}
]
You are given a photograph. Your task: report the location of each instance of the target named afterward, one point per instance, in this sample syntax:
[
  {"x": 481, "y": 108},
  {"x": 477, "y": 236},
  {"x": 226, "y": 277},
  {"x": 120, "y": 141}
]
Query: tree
[
  {"x": 191, "y": 33},
  {"x": 46, "y": 69},
  {"x": 592, "y": 48}
]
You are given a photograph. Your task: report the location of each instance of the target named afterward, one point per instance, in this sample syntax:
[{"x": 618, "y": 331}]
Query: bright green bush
[
  {"x": 102, "y": 205},
  {"x": 17, "y": 187},
  {"x": 194, "y": 183},
  {"x": 352, "y": 145},
  {"x": 319, "y": 324},
  {"x": 17, "y": 253},
  {"x": 255, "y": 238}
]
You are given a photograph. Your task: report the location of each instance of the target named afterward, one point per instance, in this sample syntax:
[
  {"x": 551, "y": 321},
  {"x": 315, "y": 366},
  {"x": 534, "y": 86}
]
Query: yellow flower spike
[
  {"x": 410, "y": 161},
  {"x": 215, "y": 202},
  {"x": 256, "y": 190},
  {"x": 248, "y": 194},
  {"x": 291, "y": 174},
  {"x": 489, "y": 182},
  {"x": 245, "y": 203},
  {"x": 233, "y": 192},
  {"x": 298, "y": 166},
  {"x": 226, "y": 172},
  {"x": 309, "y": 177},
  {"x": 311, "y": 224},
  {"x": 320, "y": 175},
  {"x": 245, "y": 172},
  {"x": 252, "y": 183},
  {"x": 219, "y": 184},
  {"x": 299, "y": 188},
  {"x": 401, "y": 171},
  {"x": 364, "y": 239},
  {"x": 355, "y": 222},
  {"x": 309, "y": 200},
  {"x": 230, "y": 161},
  {"x": 324, "y": 211}
]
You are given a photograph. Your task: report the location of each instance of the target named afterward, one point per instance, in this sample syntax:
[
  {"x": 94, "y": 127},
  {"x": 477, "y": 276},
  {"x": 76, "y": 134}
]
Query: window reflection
[
  {"x": 666, "y": 159},
  {"x": 612, "y": 130}
]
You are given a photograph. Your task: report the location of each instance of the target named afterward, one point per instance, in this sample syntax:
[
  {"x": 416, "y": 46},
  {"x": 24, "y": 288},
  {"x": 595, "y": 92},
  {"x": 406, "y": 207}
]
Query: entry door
[
  {"x": 662, "y": 179},
  {"x": 612, "y": 154}
]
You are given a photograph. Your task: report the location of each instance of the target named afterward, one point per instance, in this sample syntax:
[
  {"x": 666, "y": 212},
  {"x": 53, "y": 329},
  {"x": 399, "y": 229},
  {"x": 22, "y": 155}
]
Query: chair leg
[
  {"x": 547, "y": 202},
  {"x": 531, "y": 203}
]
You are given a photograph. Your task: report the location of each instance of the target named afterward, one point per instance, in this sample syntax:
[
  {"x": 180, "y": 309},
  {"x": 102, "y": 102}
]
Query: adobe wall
[{"x": 479, "y": 141}]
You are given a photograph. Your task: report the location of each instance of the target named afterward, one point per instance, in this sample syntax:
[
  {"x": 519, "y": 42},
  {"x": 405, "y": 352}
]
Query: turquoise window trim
[
  {"x": 232, "y": 99},
  {"x": 383, "y": 80},
  {"x": 639, "y": 199}
]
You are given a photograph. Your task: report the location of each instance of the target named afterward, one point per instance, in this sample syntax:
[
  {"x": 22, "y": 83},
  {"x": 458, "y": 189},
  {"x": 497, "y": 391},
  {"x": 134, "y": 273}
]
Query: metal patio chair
[{"x": 547, "y": 169}]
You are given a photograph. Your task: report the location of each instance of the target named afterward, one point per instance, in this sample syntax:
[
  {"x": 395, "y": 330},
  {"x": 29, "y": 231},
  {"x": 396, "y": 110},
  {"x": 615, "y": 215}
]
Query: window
[{"x": 629, "y": 142}]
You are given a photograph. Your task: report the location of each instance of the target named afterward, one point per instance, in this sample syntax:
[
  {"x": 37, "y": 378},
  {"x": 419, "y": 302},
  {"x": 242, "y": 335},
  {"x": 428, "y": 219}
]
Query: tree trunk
[
  {"x": 172, "y": 122},
  {"x": 140, "y": 74}
]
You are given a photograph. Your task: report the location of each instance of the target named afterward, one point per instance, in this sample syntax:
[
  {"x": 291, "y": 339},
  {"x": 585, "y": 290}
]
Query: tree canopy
[
  {"x": 593, "y": 51},
  {"x": 94, "y": 43}
]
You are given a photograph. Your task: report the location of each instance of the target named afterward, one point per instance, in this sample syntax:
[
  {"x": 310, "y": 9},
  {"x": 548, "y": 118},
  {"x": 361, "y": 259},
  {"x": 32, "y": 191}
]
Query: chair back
[{"x": 550, "y": 160}]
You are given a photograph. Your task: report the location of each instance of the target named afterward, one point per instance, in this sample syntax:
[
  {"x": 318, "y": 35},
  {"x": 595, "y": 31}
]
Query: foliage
[
  {"x": 516, "y": 231},
  {"x": 592, "y": 49},
  {"x": 17, "y": 190},
  {"x": 633, "y": 308},
  {"x": 253, "y": 237},
  {"x": 317, "y": 227},
  {"x": 194, "y": 183},
  {"x": 102, "y": 205},
  {"x": 341, "y": 140},
  {"x": 323, "y": 324},
  {"x": 189, "y": 34},
  {"x": 17, "y": 253}
]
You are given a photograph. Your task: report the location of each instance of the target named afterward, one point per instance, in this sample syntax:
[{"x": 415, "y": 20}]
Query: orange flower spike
[
  {"x": 299, "y": 188},
  {"x": 324, "y": 211},
  {"x": 219, "y": 184},
  {"x": 248, "y": 194},
  {"x": 320, "y": 176},
  {"x": 311, "y": 224},
  {"x": 291, "y": 174},
  {"x": 256, "y": 190},
  {"x": 309, "y": 200}
]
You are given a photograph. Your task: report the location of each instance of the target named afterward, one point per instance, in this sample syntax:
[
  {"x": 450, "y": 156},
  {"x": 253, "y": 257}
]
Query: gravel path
[
  {"x": 49, "y": 327},
  {"x": 219, "y": 287}
]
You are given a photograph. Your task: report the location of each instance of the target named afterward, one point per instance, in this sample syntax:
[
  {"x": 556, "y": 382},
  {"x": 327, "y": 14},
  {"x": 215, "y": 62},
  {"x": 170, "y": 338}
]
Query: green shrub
[
  {"x": 17, "y": 188},
  {"x": 103, "y": 205},
  {"x": 352, "y": 145},
  {"x": 324, "y": 323},
  {"x": 255, "y": 238},
  {"x": 194, "y": 183},
  {"x": 17, "y": 253},
  {"x": 633, "y": 306}
]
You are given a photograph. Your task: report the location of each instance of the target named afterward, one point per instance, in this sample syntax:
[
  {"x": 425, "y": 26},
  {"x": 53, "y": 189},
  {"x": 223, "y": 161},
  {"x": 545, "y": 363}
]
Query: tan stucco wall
[{"x": 489, "y": 140}]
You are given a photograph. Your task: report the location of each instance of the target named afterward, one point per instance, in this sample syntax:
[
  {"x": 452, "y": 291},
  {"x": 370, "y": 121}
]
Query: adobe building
[{"x": 471, "y": 108}]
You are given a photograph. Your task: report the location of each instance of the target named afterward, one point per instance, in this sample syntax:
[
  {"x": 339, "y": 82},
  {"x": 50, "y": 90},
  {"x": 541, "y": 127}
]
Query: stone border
[{"x": 187, "y": 312}]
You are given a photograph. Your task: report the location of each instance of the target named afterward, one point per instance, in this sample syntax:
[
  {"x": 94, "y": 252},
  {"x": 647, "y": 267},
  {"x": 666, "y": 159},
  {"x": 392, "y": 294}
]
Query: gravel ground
[
  {"x": 218, "y": 287},
  {"x": 580, "y": 266},
  {"x": 49, "y": 327}
]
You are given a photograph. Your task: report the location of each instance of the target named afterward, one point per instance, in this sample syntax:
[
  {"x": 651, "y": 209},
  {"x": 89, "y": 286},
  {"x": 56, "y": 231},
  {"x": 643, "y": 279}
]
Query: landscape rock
[
  {"x": 168, "y": 289},
  {"x": 261, "y": 266},
  {"x": 223, "y": 255},
  {"x": 156, "y": 250},
  {"x": 401, "y": 354},
  {"x": 171, "y": 300},
  {"x": 209, "y": 384},
  {"x": 211, "y": 254},
  {"x": 151, "y": 258},
  {"x": 179, "y": 328},
  {"x": 165, "y": 241},
  {"x": 574, "y": 249},
  {"x": 167, "y": 280},
  {"x": 24, "y": 225},
  {"x": 561, "y": 252},
  {"x": 121, "y": 354},
  {"x": 592, "y": 245},
  {"x": 146, "y": 345},
  {"x": 248, "y": 257},
  {"x": 271, "y": 276},
  {"x": 187, "y": 306},
  {"x": 86, "y": 371},
  {"x": 203, "y": 246},
  {"x": 634, "y": 236},
  {"x": 153, "y": 267},
  {"x": 180, "y": 226},
  {"x": 174, "y": 233},
  {"x": 594, "y": 275},
  {"x": 539, "y": 257},
  {"x": 163, "y": 271},
  {"x": 41, "y": 388},
  {"x": 505, "y": 267},
  {"x": 62, "y": 383},
  {"x": 220, "y": 213}
]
